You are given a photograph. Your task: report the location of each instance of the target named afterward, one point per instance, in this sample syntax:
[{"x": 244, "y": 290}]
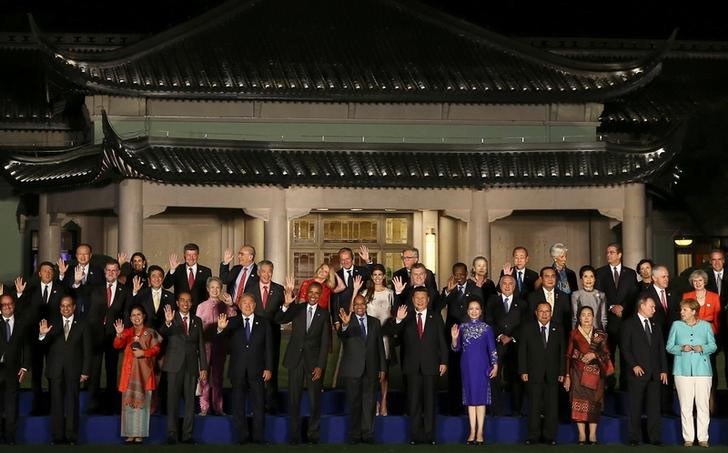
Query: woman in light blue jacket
[{"x": 692, "y": 342}]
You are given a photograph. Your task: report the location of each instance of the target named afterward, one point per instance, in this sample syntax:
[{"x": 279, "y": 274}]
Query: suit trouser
[
  {"x": 110, "y": 356},
  {"x": 614, "y": 331},
  {"x": 421, "y": 394},
  {"x": 507, "y": 376},
  {"x": 181, "y": 383},
  {"x": 39, "y": 353},
  {"x": 694, "y": 389},
  {"x": 360, "y": 392},
  {"x": 543, "y": 399},
  {"x": 271, "y": 387},
  {"x": 296, "y": 377},
  {"x": 65, "y": 391},
  {"x": 9, "y": 393},
  {"x": 639, "y": 389},
  {"x": 249, "y": 387}
]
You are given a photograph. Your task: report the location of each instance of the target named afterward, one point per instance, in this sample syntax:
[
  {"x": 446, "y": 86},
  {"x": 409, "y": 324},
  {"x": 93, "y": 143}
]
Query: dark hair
[
  {"x": 192, "y": 246},
  {"x": 370, "y": 283},
  {"x": 643, "y": 261},
  {"x": 421, "y": 289},
  {"x": 581, "y": 309},
  {"x": 545, "y": 268},
  {"x": 457, "y": 265},
  {"x": 721, "y": 251},
  {"x": 112, "y": 261},
  {"x": 346, "y": 249},
  {"x": 616, "y": 245},
  {"x": 141, "y": 309},
  {"x": 154, "y": 268},
  {"x": 181, "y": 293},
  {"x": 315, "y": 284},
  {"x": 140, "y": 255},
  {"x": 418, "y": 266},
  {"x": 83, "y": 244},
  {"x": 45, "y": 263},
  {"x": 519, "y": 247},
  {"x": 587, "y": 267}
]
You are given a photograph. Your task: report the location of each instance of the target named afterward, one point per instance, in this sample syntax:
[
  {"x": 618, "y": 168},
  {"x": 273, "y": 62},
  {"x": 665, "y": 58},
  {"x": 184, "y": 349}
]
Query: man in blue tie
[
  {"x": 362, "y": 367},
  {"x": 525, "y": 278}
]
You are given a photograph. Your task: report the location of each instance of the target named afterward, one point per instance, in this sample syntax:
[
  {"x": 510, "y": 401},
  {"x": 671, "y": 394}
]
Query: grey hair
[
  {"x": 698, "y": 273},
  {"x": 558, "y": 249},
  {"x": 659, "y": 268}
]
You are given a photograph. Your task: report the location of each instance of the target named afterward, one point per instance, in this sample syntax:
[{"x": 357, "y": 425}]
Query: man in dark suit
[
  {"x": 504, "y": 313},
  {"x": 560, "y": 303},
  {"x": 190, "y": 276},
  {"x": 643, "y": 348},
  {"x": 239, "y": 279},
  {"x": 109, "y": 302},
  {"x": 718, "y": 283},
  {"x": 184, "y": 363},
  {"x": 620, "y": 287},
  {"x": 69, "y": 361},
  {"x": 363, "y": 365},
  {"x": 410, "y": 257},
  {"x": 80, "y": 277},
  {"x": 525, "y": 277},
  {"x": 542, "y": 365},
  {"x": 14, "y": 363},
  {"x": 40, "y": 302},
  {"x": 251, "y": 364},
  {"x": 424, "y": 358},
  {"x": 346, "y": 273},
  {"x": 268, "y": 297},
  {"x": 305, "y": 356},
  {"x": 154, "y": 297},
  {"x": 403, "y": 290}
]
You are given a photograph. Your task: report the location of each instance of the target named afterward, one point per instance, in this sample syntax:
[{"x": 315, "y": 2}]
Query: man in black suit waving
[
  {"x": 251, "y": 364},
  {"x": 81, "y": 277},
  {"x": 410, "y": 257},
  {"x": 346, "y": 273},
  {"x": 184, "y": 362},
  {"x": 542, "y": 364},
  {"x": 718, "y": 283},
  {"x": 190, "y": 276},
  {"x": 362, "y": 366},
  {"x": 153, "y": 298},
  {"x": 525, "y": 277},
  {"x": 548, "y": 292},
  {"x": 40, "y": 302},
  {"x": 239, "y": 279},
  {"x": 643, "y": 348},
  {"x": 14, "y": 363},
  {"x": 69, "y": 361},
  {"x": 305, "y": 356},
  {"x": 424, "y": 358}
]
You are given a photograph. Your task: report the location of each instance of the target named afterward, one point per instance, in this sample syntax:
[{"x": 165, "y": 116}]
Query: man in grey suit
[
  {"x": 184, "y": 363},
  {"x": 362, "y": 366}
]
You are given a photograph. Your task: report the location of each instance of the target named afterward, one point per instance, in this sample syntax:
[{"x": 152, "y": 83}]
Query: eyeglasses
[{"x": 409, "y": 257}]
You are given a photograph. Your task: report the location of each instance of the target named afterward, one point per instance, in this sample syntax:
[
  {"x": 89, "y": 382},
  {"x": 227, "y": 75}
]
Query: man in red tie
[
  {"x": 268, "y": 299},
  {"x": 239, "y": 279},
  {"x": 189, "y": 276}
]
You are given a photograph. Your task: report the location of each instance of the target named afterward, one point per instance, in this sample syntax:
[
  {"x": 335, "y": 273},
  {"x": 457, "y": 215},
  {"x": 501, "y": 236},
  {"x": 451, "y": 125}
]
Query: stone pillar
[
  {"x": 254, "y": 235},
  {"x": 448, "y": 248},
  {"x": 599, "y": 237},
  {"x": 430, "y": 237},
  {"x": 49, "y": 233},
  {"x": 276, "y": 237},
  {"x": 633, "y": 224},
  {"x": 479, "y": 226},
  {"x": 130, "y": 215}
]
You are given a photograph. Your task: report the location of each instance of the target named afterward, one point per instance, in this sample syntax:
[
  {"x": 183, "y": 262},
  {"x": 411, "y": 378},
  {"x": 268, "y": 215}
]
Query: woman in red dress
[{"x": 330, "y": 283}]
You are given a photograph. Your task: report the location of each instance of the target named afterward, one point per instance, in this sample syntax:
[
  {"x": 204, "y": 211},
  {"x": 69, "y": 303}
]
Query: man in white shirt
[{"x": 14, "y": 363}]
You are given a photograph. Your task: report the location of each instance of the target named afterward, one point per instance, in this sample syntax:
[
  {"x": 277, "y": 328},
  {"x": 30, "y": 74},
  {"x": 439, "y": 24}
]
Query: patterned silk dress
[{"x": 477, "y": 343}]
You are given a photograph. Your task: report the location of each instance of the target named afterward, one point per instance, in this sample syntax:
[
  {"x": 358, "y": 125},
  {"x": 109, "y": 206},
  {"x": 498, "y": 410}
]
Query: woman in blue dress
[{"x": 478, "y": 364}]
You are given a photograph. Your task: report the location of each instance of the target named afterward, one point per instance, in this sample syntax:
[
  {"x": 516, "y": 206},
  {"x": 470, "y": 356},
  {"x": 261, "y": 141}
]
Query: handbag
[{"x": 590, "y": 377}]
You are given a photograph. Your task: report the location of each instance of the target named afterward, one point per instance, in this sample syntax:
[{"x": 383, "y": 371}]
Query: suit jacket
[
  {"x": 636, "y": 350},
  {"x": 249, "y": 357},
  {"x": 73, "y": 354},
  {"x": 310, "y": 347},
  {"x": 529, "y": 282},
  {"x": 31, "y": 301},
  {"x": 665, "y": 318},
  {"x": 711, "y": 285},
  {"x": 362, "y": 357},
  {"x": 624, "y": 294},
  {"x": 186, "y": 351},
  {"x": 179, "y": 281},
  {"x": 275, "y": 299},
  {"x": 144, "y": 298},
  {"x": 343, "y": 299},
  {"x": 430, "y": 281},
  {"x": 16, "y": 353},
  {"x": 543, "y": 365},
  {"x": 230, "y": 277},
  {"x": 561, "y": 313},
  {"x": 421, "y": 356},
  {"x": 457, "y": 303},
  {"x": 505, "y": 323},
  {"x": 405, "y": 298},
  {"x": 95, "y": 276},
  {"x": 99, "y": 311}
]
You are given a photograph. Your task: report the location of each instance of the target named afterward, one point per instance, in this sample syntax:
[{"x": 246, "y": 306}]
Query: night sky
[{"x": 566, "y": 18}]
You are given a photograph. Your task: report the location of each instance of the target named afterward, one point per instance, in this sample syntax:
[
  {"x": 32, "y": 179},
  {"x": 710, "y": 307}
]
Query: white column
[
  {"x": 276, "y": 237},
  {"x": 633, "y": 224},
  {"x": 479, "y": 227},
  {"x": 130, "y": 215},
  {"x": 255, "y": 236},
  {"x": 430, "y": 236},
  {"x": 49, "y": 233},
  {"x": 448, "y": 251}
]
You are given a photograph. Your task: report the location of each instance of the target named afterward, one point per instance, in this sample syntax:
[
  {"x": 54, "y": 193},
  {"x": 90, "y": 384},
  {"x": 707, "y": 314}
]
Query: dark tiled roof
[
  {"x": 364, "y": 50},
  {"x": 222, "y": 162}
]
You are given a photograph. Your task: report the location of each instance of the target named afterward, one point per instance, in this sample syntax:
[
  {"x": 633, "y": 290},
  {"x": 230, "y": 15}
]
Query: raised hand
[
  {"x": 227, "y": 256},
  {"x": 168, "y": 313},
  {"x": 316, "y": 374},
  {"x": 19, "y": 285},
  {"x": 44, "y": 328},
  {"x": 222, "y": 321},
  {"x": 364, "y": 253},
  {"x": 508, "y": 269},
  {"x": 454, "y": 332},
  {"x": 137, "y": 284},
  {"x": 173, "y": 261},
  {"x": 227, "y": 298},
  {"x": 289, "y": 297},
  {"x": 451, "y": 284},
  {"x": 62, "y": 266},
  {"x": 267, "y": 374},
  {"x": 401, "y": 312},
  {"x": 345, "y": 317},
  {"x": 121, "y": 258},
  {"x": 399, "y": 285},
  {"x": 78, "y": 274},
  {"x": 358, "y": 283},
  {"x": 119, "y": 326},
  {"x": 290, "y": 283}
]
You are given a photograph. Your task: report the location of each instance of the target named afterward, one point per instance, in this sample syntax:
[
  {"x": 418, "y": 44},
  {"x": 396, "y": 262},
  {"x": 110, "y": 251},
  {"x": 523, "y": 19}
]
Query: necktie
[
  {"x": 648, "y": 331},
  {"x": 349, "y": 280},
  {"x": 8, "y": 332},
  {"x": 550, "y": 299},
  {"x": 83, "y": 275},
  {"x": 265, "y": 296},
  {"x": 616, "y": 277},
  {"x": 184, "y": 321},
  {"x": 108, "y": 295},
  {"x": 309, "y": 318},
  {"x": 191, "y": 279},
  {"x": 506, "y": 305},
  {"x": 45, "y": 294},
  {"x": 247, "y": 328},
  {"x": 155, "y": 299},
  {"x": 362, "y": 328},
  {"x": 719, "y": 281},
  {"x": 543, "y": 336},
  {"x": 663, "y": 301},
  {"x": 66, "y": 328},
  {"x": 460, "y": 290},
  {"x": 241, "y": 285},
  {"x": 520, "y": 280},
  {"x": 420, "y": 329}
]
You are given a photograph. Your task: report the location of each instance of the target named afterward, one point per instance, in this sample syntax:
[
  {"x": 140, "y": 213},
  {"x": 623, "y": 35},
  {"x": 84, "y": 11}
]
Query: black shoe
[
  {"x": 529, "y": 442},
  {"x": 189, "y": 441},
  {"x": 412, "y": 442},
  {"x": 553, "y": 443},
  {"x": 171, "y": 440},
  {"x": 368, "y": 440},
  {"x": 581, "y": 442},
  {"x": 433, "y": 442},
  {"x": 657, "y": 443},
  {"x": 633, "y": 443}
]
